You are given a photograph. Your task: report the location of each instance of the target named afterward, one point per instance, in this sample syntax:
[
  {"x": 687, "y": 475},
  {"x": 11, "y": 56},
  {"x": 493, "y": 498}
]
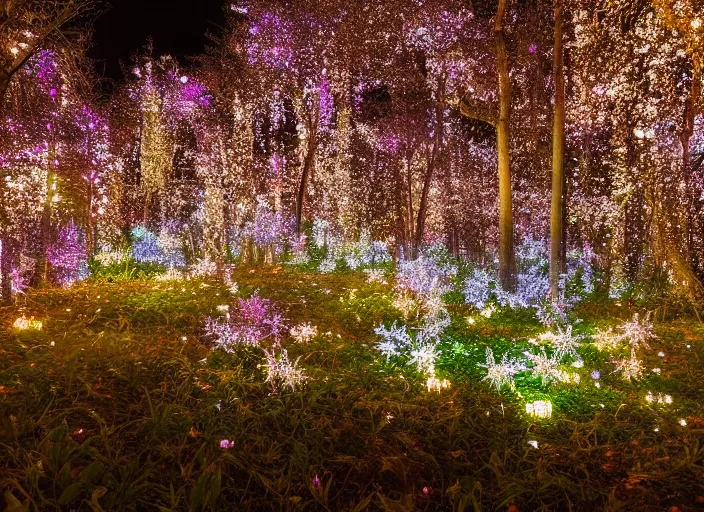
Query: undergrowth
[{"x": 117, "y": 404}]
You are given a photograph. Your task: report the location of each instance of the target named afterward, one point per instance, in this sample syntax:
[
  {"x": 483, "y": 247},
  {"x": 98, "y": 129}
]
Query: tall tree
[
  {"x": 558, "y": 157},
  {"x": 507, "y": 256},
  {"x": 25, "y": 27},
  {"x": 28, "y": 25}
]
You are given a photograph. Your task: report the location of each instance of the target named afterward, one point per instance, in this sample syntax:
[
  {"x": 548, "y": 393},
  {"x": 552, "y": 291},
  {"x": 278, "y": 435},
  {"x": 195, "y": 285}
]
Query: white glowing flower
[
  {"x": 327, "y": 265},
  {"x": 547, "y": 367},
  {"x": 502, "y": 373},
  {"x": 632, "y": 367},
  {"x": 303, "y": 333},
  {"x": 437, "y": 385},
  {"x": 281, "y": 372},
  {"x": 637, "y": 332},
  {"x": 604, "y": 340},
  {"x": 424, "y": 356},
  {"x": 375, "y": 275},
  {"x": 563, "y": 341},
  {"x": 539, "y": 408},
  {"x": 488, "y": 311},
  {"x": 27, "y": 324}
]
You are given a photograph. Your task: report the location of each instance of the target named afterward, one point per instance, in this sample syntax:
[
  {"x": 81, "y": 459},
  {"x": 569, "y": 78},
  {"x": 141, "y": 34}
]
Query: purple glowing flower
[
  {"x": 533, "y": 48},
  {"x": 226, "y": 444},
  {"x": 249, "y": 322},
  {"x": 68, "y": 256},
  {"x": 596, "y": 374},
  {"x": 316, "y": 482}
]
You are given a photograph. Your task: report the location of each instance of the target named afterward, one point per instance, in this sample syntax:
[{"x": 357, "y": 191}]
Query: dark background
[{"x": 176, "y": 27}]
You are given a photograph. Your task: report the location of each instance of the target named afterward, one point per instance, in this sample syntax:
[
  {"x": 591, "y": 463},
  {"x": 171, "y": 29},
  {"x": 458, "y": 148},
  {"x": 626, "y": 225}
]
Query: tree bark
[
  {"x": 558, "y": 159},
  {"x": 45, "y": 226},
  {"x": 6, "y": 261},
  {"x": 634, "y": 231},
  {"x": 4, "y": 85},
  {"x": 308, "y": 163},
  {"x": 507, "y": 257},
  {"x": 432, "y": 164},
  {"x": 409, "y": 206},
  {"x": 7, "y": 255}
]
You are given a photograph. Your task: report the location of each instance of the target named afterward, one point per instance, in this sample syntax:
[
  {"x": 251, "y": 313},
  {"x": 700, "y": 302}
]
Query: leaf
[
  {"x": 392, "y": 505},
  {"x": 70, "y": 493},
  {"x": 93, "y": 503},
  {"x": 362, "y": 505},
  {"x": 13, "y": 504},
  {"x": 58, "y": 433},
  {"x": 91, "y": 471}
]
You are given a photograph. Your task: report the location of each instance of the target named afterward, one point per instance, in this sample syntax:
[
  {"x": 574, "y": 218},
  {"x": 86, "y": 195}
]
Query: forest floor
[{"x": 117, "y": 403}]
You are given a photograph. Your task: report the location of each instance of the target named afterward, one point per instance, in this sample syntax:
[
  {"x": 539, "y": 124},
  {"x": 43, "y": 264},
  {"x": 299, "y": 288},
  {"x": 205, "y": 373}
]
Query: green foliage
[
  {"x": 128, "y": 270},
  {"x": 126, "y": 410}
]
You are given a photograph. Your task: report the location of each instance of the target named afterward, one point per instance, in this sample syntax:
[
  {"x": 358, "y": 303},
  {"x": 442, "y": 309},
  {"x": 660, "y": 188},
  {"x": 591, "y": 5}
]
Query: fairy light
[
  {"x": 27, "y": 324},
  {"x": 437, "y": 385},
  {"x": 539, "y": 409}
]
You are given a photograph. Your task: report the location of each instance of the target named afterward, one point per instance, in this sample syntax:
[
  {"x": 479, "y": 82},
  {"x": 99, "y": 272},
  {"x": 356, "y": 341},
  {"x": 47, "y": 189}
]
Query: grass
[{"x": 116, "y": 404}]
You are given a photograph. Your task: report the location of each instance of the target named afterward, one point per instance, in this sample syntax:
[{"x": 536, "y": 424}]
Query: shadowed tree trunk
[
  {"x": 42, "y": 273},
  {"x": 308, "y": 163},
  {"x": 634, "y": 231},
  {"x": 4, "y": 84},
  {"x": 8, "y": 252},
  {"x": 558, "y": 159},
  {"x": 410, "y": 235},
  {"x": 507, "y": 257},
  {"x": 432, "y": 164}
]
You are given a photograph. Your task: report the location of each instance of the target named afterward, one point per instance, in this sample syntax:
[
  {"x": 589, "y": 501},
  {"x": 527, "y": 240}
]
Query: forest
[{"x": 375, "y": 255}]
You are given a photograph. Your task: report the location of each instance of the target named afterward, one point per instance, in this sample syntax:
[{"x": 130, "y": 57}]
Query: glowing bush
[
  {"x": 250, "y": 321},
  {"x": 68, "y": 256}
]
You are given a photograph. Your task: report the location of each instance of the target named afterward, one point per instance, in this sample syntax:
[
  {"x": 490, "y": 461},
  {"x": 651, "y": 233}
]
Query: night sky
[{"x": 177, "y": 27}]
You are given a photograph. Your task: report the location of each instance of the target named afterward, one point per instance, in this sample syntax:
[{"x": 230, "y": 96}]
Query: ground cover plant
[
  {"x": 370, "y": 255},
  {"x": 120, "y": 400}
]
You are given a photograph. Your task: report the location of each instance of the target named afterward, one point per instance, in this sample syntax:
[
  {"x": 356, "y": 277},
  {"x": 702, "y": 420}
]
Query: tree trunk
[
  {"x": 558, "y": 159},
  {"x": 634, "y": 232},
  {"x": 308, "y": 163},
  {"x": 507, "y": 257},
  {"x": 45, "y": 227},
  {"x": 90, "y": 228},
  {"x": 8, "y": 243},
  {"x": 423, "y": 206},
  {"x": 432, "y": 163},
  {"x": 409, "y": 207},
  {"x": 4, "y": 85},
  {"x": 6, "y": 260},
  {"x": 690, "y": 113}
]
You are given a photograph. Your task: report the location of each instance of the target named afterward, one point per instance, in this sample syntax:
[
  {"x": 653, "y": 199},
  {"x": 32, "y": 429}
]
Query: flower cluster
[
  {"x": 563, "y": 342},
  {"x": 532, "y": 283},
  {"x": 165, "y": 249},
  {"x": 501, "y": 373},
  {"x": 281, "y": 372},
  {"x": 635, "y": 335},
  {"x": 270, "y": 228},
  {"x": 419, "y": 344},
  {"x": 425, "y": 277},
  {"x": 250, "y": 322},
  {"x": 303, "y": 332},
  {"x": 547, "y": 367},
  {"x": 375, "y": 275},
  {"x": 68, "y": 256}
]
